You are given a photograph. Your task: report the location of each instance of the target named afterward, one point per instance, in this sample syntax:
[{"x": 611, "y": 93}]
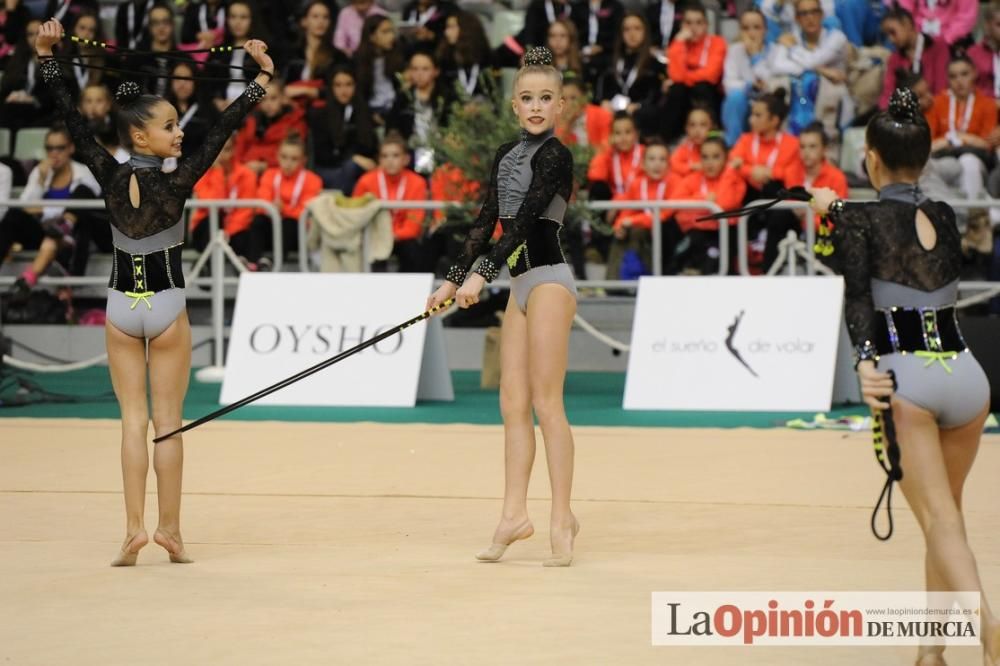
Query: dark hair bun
[
  {"x": 129, "y": 91},
  {"x": 538, "y": 56},
  {"x": 780, "y": 94},
  {"x": 904, "y": 106}
]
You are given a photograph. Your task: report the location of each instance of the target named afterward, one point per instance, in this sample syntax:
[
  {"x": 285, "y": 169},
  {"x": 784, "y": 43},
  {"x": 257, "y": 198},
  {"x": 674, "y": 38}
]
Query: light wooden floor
[{"x": 353, "y": 544}]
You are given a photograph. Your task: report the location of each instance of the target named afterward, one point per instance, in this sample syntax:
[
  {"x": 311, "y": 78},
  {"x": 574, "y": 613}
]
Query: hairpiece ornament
[
  {"x": 904, "y": 106},
  {"x": 538, "y": 55},
  {"x": 127, "y": 92}
]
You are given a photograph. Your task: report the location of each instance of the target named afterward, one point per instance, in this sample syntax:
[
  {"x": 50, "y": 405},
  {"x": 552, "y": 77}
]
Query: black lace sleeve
[
  {"x": 97, "y": 159},
  {"x": 852, "y": 240},
  {"x": 551, "y": 174},
  {"x": 482, "y": 229},
  {"x": 194, "y": 167}
]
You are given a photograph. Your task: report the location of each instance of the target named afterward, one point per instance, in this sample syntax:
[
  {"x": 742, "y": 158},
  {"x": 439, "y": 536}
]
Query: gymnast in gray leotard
[
  {"x": 147, "y": 332},
  {"x": 901, "y": 258}
]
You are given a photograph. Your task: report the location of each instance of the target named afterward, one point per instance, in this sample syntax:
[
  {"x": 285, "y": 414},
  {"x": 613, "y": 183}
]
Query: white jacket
[{"x": 36, "y": 188}]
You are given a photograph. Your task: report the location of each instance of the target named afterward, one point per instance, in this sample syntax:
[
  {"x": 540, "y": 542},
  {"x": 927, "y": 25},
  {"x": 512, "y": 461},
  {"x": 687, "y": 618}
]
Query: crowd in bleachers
[{"x": 669, "y": 107}]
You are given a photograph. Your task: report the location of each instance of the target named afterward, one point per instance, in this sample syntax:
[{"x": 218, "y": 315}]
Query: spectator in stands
[
  {"x": 14, "y": 17},
  {"x": 291, "y": 186},
  {"x": 631, "y": 250},
  {"x": 915, "y": 51},
  {"x": 95, "y": 103},
  {"x": 951, "y": 21},
  {"x": 425, "y": 21},
  {"x": 48, "y": 230},
  {"x": 393, "y": 181},
  {"x": 812, "y": 170},
  {"x": 962, "y": 121},
  {"x": 815, "y": 59},
  {"x": 422, "y": 108},
  {"x": 242, "y": 25},
  {"x": 717, "y": 183},
  {"x": 378, "y": 60},
  {"x": 24, "y": 100},
  {"x": 66, "y": 11},
  {"x": 86, "y": 26},
  {"x": 686, "y": 158},
  {"x": 204, "y": 23},
  {"x": 860, "y": 20},
  {"x": 763, "y": 156},
  {"x": 195, "y": 113},
  {"x": 347, "y": 35},
  {"x": 986, "y": 54},
  {"x": 564, "y": 42},
  {"x": 612, "y": 171},
  {"x": 597, "y": 24},
  {"x": 664, "y": 19},
  {"x": 631, "y": 83},
  {"x": 159, "y": 38},
  {"x": 582, "y": 123},
  {"x": 131, "y": 22},
  {"x": 746, "y": 73},
  {"x": 341, "y": 134},
  {"x": 464, "y": 56},
  {"x": 538, "y": 17},
  {"x": 311, "y": 62},
  {"x": 228, "y": 179},
  {"x": 274, "y": 119},
  {"x": 695, "y": 71},
  {"x": 780, "y": 17}
]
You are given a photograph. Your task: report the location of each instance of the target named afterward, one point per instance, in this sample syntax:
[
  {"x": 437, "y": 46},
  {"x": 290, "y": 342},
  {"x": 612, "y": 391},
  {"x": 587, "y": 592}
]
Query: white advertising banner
[
  {"x": 734, "y": 343},
  {"x": 287, "y": 322}
]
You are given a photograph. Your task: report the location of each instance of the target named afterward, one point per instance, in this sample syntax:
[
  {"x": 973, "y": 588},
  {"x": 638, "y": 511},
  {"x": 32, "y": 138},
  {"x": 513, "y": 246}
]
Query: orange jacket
[
  {"x": 251, "y": 148},
  {"x": 684, "y": 157},
  {"x": 787, "y": 147},
  {"x": 643, "y": 219},
  {"x": 982, "y": 122},
  {"x": 729, "y": 188},
  {"x": 241, "y": 183},
  {"x": 407, "y": 186},
  {"x": 277, "y": 187},
  {"x": 696, "y": 62},
  {"x": 597, "y": 121},
  {"x": 602, "y": 167},
  {"x": 828, "y": 176}
]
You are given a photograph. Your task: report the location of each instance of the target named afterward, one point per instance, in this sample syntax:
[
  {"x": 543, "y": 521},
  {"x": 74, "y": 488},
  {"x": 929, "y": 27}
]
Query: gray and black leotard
[
  {"x": 530, "y": 185},
  {"x": 146, "y": 290},
  {"x": 900, "y": 301}
]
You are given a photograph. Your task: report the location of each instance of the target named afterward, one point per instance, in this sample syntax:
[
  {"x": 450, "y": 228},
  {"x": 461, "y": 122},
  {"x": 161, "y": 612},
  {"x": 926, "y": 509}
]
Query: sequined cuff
[
  {"x": 835, "y": 210},
  {"x": 50, "y": 69},
  {"x": 456, "y": 275},
  {"x": 255, "y": 92},
  {"x": 488, "y": 269},
  {"x": 865, "y": 352}
]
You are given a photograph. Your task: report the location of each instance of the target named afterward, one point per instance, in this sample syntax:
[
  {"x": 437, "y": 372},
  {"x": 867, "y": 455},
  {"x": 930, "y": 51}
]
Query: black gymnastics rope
[
  {"x": 135, "y": 72},
  {"x": 309, "y": 371},
  {"x": 884, "y": 433},
  {"x": 793, "y": 194}
]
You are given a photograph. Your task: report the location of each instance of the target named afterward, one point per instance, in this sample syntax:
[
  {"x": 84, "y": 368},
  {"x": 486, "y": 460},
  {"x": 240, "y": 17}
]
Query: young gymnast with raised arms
[
  {"x": 902, "y": 258},
  {"x": 146, "y": 303},
  {"x": 530, "y": 185}
]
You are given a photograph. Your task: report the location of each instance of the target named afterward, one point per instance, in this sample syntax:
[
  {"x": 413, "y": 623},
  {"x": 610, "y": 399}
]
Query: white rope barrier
[{"x": 54, "y": 367}]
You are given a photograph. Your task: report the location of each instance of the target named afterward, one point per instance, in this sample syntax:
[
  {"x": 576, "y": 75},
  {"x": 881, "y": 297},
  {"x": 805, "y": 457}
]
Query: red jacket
[
  {"x": 683, "y": 159},
  {"x": 644, "y": 189},
  {"x": 251, "y": 148},
  {"x": 728, "y": 189},
  {"x": 786, "y": 145},
  {"x": 597, "y": 121},
  {"x": 277, "y": 187},
  {"x": 696, "y": 62},
  {"x": 602, "y": 167},
  {"x": 828, "y": 176},
  {"x": 981, "y": 122},
  {"x": 406, "y": 186},
  {"x": 241, "y": 183}
]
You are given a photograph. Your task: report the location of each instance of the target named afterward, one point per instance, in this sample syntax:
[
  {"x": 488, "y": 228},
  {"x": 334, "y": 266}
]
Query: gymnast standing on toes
[
  {"x": 531, "y": 181},
  {"x": 146, "y": 293},
  {"x": 902, "y": 257}
]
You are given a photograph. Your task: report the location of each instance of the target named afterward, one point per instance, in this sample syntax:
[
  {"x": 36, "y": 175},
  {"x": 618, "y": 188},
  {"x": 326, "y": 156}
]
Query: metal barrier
[{"x": 656, "y": 206}]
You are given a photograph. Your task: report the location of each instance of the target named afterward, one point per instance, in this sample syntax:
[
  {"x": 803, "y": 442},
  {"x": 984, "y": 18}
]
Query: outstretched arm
[
  {"x": 101, "y": 163},
  {"x": 194, "y": 167}
]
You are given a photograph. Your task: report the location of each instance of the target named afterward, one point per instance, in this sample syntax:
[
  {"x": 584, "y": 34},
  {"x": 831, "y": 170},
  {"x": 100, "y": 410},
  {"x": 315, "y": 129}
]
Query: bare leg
[
  {"x": 934, "y": 470},
  {"x": 169, "y": 372},
  {"x": 127, "y": 362},
  {"x": 46, "y": 255},
  {"x": 550, "y": 316},
  {"x": 519, "y": 433}
]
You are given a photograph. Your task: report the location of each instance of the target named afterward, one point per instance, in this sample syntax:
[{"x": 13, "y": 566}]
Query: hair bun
[
  {"x": 538, "y": 56},
  {"x": 904, "y": 107},
  {"x": 128, "y": 91}
]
